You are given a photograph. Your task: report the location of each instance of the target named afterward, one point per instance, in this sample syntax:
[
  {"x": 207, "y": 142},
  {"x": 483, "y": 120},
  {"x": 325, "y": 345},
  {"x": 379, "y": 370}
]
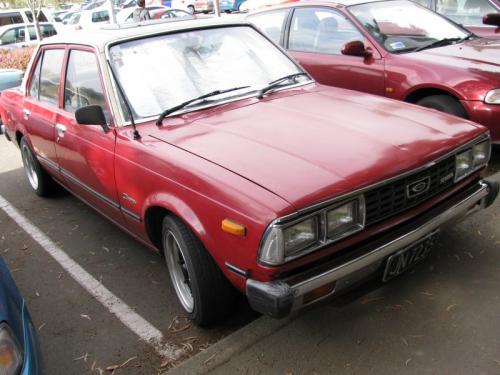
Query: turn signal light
[
  {"x": 233, "y": 227},
  {"x": 318, "y": 293}
]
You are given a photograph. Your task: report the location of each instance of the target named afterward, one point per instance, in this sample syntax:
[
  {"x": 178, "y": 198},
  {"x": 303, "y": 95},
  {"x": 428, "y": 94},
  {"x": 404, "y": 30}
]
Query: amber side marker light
[
  {"x": 318, "y": 293},
  {"x": 233, "y": 227}
]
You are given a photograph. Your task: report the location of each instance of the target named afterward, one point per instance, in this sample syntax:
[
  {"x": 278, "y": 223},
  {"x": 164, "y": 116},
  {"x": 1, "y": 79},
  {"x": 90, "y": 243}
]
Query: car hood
[
  {"x": 475, "y": 55},
  {"x": 316, "y": 142}
]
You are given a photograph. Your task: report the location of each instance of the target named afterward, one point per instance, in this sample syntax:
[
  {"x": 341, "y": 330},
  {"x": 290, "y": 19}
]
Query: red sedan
[
  {"x": 396, "y": 49},
  {"x": 237, "y": 166}
]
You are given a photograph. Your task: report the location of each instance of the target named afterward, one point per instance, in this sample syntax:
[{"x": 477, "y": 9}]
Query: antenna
[{"x": 125, "y": 101}]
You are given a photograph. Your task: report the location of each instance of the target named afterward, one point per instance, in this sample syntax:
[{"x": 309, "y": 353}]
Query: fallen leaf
[
  {"x": 407, "y": 361},
  {"x": 450, "y": 307},
  {"x": 112, "y": 368},
  {"x": 85, "y": 316},
  {"x": 404, "y": 341}
]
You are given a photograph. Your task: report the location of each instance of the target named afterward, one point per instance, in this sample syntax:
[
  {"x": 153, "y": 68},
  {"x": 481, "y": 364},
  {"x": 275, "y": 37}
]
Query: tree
[{"x": 36, "y": 6}]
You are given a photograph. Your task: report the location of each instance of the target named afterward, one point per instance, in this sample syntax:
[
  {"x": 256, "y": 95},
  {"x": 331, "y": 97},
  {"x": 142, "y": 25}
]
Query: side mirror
[
  {"x": 91, "y": 115},
  {"x": 492, "y": 19},
  {"x": 356, "y": 48}
]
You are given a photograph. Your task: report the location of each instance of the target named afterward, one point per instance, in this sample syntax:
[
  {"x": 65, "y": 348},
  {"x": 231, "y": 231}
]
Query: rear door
[
  {"x": 315, "y": 38},
  {"x": 86, "y": 152},
  {"x": 41, "y": 104}
]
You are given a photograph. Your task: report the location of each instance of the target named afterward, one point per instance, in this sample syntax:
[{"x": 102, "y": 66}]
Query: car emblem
[{"x": 418, "y": 187}]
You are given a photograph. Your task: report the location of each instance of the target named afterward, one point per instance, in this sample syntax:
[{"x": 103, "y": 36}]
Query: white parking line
[{"x": 115, "y": 305}]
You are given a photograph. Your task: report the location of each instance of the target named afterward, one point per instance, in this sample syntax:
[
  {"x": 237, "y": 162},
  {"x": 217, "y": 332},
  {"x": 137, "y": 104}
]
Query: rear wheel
[
  {"x": 443, "y": 103},
  {"x": 39, "y": 180},
  {"x": 190, "y": 9},
  {"x": 204, "y": 292}
]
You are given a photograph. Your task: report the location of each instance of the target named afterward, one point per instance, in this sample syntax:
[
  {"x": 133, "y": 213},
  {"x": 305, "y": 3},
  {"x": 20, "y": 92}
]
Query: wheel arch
[{"x": 421, "y": 92}]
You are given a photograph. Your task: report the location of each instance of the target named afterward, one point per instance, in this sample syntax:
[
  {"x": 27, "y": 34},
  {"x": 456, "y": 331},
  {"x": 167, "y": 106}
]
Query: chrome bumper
[{"x": 278, "y": 298}]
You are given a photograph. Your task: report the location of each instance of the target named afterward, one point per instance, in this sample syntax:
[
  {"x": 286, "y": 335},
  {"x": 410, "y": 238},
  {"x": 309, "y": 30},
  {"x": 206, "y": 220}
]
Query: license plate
[{"x": 408, "y": 257}]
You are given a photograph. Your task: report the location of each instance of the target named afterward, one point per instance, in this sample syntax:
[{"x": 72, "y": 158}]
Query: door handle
[
  {"x": 61, "y": 129},
  {"x": 26, "y": 113}
]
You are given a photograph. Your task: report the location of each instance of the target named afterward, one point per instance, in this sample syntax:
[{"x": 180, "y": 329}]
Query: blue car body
[
  {"x": 230, "y": 5},
  {"x": 14, "y": 312}
]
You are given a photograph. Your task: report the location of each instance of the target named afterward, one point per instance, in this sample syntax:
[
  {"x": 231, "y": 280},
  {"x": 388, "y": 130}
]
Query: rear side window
[
  {"x": 45, "y": 30},
  {"x": 101, "y": 16},
  {"x": 271, "y": 23},
  {"x": 35, "y": 81},
  {"x": 10, "y": 18},
  {"x": 41, "y": 16},
  {"x": 50, "y": 75},
  {"x": 83, "y": 85}
]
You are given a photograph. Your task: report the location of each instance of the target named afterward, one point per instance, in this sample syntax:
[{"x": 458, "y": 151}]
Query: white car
[
  {"x": 22, "y": 35},
  {"x": 126, "y": 15},
  {"x": 12, "y": 16},
  {"x": 187, "y": 5},
  {"x": 90, "y": 19}
]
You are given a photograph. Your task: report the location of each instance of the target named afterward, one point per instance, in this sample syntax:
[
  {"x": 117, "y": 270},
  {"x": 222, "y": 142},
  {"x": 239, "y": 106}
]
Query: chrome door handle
[
  {"x": 26, "y": 113},
  {"x": 61, "y": 129}
]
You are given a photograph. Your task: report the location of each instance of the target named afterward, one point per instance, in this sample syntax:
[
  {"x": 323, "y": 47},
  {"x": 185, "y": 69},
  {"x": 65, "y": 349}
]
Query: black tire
[
  {"x": 443, "y": 103},
  {"x": 214, "y": 297},
  {"x": 44, "y": 185},
  {"x": 190, "y": 9}
]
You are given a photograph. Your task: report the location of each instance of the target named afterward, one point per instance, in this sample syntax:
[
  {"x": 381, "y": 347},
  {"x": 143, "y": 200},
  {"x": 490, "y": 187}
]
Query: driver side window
[{"x": 321, "y": 30}]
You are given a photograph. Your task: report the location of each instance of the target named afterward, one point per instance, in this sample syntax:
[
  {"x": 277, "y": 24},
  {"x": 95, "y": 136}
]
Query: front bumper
[{"x": 278, "y": 298}]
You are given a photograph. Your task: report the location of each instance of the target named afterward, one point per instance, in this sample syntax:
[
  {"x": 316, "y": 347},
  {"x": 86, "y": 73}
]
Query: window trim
[{"x": 62, "y": 87}]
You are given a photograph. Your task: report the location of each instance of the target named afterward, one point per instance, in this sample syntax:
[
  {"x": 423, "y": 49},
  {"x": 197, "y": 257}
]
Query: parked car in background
[
  {"x": 187, "y": 5},
  {"x": 468, "y": 13},
  {"x": 90, "y": 19},
  {"x": 12, "y": 16},
  {"x": 205, "y": 161},
  {"x": 231, "y": 5},
  {"x": 170, "y": 13},
  {"x": 204, "y": 6},
  {"x": 19, "y": 351},
  {"x": 393, "y": 48},
  {"x": 127, "y": 14},
  {"x": 22, "y": 35}
]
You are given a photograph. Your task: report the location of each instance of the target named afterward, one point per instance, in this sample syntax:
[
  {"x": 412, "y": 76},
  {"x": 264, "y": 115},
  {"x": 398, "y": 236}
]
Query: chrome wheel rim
[
  {"x": 29, "y": 167},
  {"x": 179, "y": 272}
]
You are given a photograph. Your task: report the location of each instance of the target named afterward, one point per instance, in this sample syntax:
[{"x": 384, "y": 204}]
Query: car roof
[{"x": 100, "y": 38}]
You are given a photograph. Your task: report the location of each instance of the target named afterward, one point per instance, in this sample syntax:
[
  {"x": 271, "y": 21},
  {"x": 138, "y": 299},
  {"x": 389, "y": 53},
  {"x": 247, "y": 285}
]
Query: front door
[
  {"x": 86, "y": 152},
  {"x": 315, "y": 39}
]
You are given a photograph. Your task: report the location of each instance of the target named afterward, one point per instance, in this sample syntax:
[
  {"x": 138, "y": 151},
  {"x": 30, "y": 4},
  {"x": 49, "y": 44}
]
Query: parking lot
[{"x": 80, "y": 334}]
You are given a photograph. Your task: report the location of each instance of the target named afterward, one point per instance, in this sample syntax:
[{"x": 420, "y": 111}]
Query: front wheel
[
  {"x": 190, "y": 9},
  {"x": 443, "y": 103},
  {"x": 39, "y": 180},
  {"x": 202, "y": 289}
]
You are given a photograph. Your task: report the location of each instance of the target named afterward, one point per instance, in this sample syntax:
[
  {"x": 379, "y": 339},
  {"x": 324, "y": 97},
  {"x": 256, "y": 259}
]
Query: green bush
[{"x": 16, "y": 58}]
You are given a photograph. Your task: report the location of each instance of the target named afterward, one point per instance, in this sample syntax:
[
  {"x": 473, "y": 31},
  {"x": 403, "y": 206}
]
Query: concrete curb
[{"x": 230, "y": 346}]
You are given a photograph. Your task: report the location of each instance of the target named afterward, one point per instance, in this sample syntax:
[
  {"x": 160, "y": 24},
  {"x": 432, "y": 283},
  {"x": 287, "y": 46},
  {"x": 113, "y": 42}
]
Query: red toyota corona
[
  {"x": 237, "y": 166},
  {"x": 397, "y": 49}
]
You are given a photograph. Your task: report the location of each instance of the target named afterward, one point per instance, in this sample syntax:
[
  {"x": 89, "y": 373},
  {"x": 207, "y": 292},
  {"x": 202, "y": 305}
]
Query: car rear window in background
[
  {"x": 10, "y": 18},
  {"x": 41, "y": 16},
  {"x": 321, "y": 30},
  {"x": 465, "y": 12},
  {"x": 45, "y": 30},
  {"x": 50, "y": 75},
  {"x": 271, "y": 23},
  {"x": 101, "y": 16}
]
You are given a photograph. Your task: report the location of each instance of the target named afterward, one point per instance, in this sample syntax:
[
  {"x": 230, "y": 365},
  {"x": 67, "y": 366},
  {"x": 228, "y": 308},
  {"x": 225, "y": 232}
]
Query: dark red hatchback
[{"x": 397, "y": 49}]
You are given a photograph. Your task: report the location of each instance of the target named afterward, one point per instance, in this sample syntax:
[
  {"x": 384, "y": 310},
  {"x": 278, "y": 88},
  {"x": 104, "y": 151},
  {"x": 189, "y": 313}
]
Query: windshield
[
  {"x": 160, "y": 72},
  {"x": 402, "y": 26}
]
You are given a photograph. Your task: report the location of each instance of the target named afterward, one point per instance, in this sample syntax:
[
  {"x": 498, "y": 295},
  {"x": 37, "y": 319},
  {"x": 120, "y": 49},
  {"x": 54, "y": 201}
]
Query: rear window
[
  {"x": 50, "y": 76},
  {"x": 101, "y": 16},
  {"x": 10, "y": 18},
  {"x": 41, "y": 16}
]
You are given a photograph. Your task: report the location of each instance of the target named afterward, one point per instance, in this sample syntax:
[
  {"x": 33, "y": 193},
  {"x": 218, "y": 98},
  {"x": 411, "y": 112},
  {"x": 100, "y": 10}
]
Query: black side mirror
[
  {"x": 492, "y": 19},
  {"x": 356, "y": 48},
  {"x": 91, "y": 115}
]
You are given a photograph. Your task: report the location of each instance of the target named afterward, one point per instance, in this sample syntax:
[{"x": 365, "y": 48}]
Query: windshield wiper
[
  {"x": 190, "y": 101},
  {"x": 277, "y": 82},
  {"x": 439, "y": 43}
]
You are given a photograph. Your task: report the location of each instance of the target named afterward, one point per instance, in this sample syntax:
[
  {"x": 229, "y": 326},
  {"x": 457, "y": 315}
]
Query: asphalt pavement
[{"x": 78, "y": 334}]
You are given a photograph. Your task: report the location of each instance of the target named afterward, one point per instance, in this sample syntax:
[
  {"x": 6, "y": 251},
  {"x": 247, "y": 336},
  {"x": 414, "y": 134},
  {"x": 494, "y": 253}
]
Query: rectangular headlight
[
  {"x": 344, "y": 219},
  {"x": 481, "y": 153},
  {"x": 463, "y": 164}
]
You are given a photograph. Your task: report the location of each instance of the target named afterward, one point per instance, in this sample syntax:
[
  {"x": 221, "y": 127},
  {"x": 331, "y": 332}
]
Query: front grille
[{"x": 392, "y": 198}]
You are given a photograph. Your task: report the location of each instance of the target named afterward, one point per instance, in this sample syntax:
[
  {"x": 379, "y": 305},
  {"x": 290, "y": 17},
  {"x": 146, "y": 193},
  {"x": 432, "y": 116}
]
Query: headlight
[
  {"x": 472, "y": 159},
  {"x": 284, "y": 242},
  {"x": 492, "y": 97},
  {"x": 11, "y": 358}
]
